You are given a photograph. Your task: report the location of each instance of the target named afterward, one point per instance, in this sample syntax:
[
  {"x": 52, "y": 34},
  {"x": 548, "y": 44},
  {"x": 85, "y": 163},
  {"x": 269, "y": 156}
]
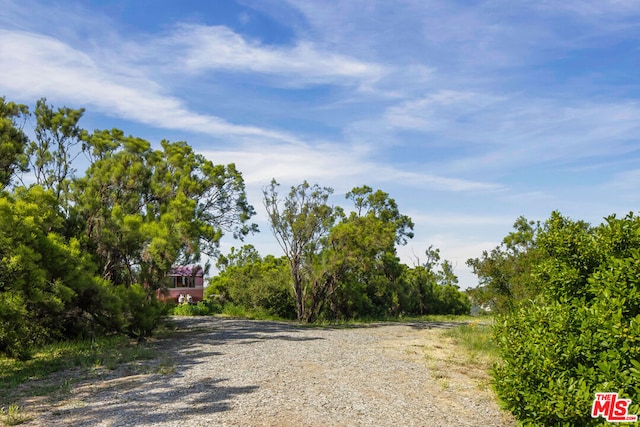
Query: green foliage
[
  {"x": 140, "y": 313},
  {"x": 429, "y": 290},
  {"x": 300, "y": 223},
  {"x": 81, "y": 256},
  {"x": 248, "y": 280},
  {"x": 350, "y": 270},
  {"x": 40, "y": 273},
  {"x": 146, "y": 210},
  {"x": 14, "y": 415},
  {"x": 240, "y": 311},
  {"x": 505, "y": 273},
  {"x": 580, "y": 336},
  {"x": 13, "y": 140},
  {"x": 379, "y": 205},
  {"x": 362, "y": 257},
  {"x": 52, "y": 153},
  {"x": 476, "y": 338},
  {"x": 202, "y": 308}
]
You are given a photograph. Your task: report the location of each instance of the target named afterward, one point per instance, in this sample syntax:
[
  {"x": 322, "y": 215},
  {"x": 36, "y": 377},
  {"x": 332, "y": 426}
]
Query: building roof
[{"x": 186, "y": 270}]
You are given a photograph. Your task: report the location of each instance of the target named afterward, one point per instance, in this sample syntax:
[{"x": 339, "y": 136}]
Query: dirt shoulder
[{"x": 216, "y": 371}]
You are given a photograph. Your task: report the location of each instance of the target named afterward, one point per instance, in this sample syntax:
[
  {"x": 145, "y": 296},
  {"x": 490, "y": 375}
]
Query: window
[{"x": 181, "y": 282}]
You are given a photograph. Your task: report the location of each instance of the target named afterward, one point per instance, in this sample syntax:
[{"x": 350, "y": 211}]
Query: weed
[
  {"x": 477, "y": 340},
  {"x": 444, "y": 383},
  {"x": 166, "y": 368},
  {"x": 202, "y": 308},
  {"x": 14, "y": 415}
]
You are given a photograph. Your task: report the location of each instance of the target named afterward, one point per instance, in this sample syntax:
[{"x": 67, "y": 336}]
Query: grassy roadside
[
  {"x": 461, "y": 358},
  {"x": 461, "y": 354},
  {"x": 476, "y": 339},
  {"x": 53, "y": 370}
]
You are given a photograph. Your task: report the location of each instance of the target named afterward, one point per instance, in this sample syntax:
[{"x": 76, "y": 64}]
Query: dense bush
[
  {"x": 40, "y": 273},
  {"x": 580, "y": 336},
  {"x": 386, "y": 288},
  {"x": 255, "y": 283},
  {"x": 426, "y": 294}
]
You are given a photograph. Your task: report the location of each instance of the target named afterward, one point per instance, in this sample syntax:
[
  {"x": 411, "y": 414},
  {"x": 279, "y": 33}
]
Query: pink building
[{"x": 184, "y": 280}]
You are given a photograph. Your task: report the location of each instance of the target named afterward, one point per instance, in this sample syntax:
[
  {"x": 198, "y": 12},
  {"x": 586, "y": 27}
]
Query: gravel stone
[{"x": 229, "y": 372}]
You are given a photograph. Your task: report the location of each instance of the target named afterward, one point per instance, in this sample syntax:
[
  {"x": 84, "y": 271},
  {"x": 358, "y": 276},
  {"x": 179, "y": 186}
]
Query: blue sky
[{"x": 468, "y": 113}]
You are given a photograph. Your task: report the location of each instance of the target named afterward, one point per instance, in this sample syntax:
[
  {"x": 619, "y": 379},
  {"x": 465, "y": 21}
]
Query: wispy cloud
[
  {"x": 547, "y": 131},
  {"x": 438, "y": 110},
  {"x": 37, "y": 65},
  {"x": 436, "y": 182},
  {"x": 625, "y": 185},
  {"x": 458, "y": 219},
  {"x": 504, "y": 132},
  {"x": 207, "y": 48},
  {"x": 337, "y": 165}
]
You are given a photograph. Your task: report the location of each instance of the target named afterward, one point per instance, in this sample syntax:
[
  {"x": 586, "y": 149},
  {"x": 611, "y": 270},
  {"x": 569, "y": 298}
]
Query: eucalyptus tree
[
  {"x": 300, "y": 223},
  {"x": 379, "y": 205}
]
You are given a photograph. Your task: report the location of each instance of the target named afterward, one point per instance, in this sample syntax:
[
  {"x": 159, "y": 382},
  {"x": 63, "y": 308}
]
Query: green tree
[
  {"x": 505, "y": 272},
  {"x": 379, "y": 205},
  {"x": 300, "y": 222},
  {"x": 56, "y": 146},
  {"x": 432, "y": 287},
  {"x": 579, "y": 336},
  {"x": 42, "y": 276},
  {"x": 147, "y": 209},
  {"x": 13, "y": 140},
  {"x": 85, "y": 255},
  {"x": 361, "y": 256}
]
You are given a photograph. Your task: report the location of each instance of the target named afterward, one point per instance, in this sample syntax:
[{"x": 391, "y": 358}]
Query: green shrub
[
  {"x": 255, "y": 283},
  {"x": 202, "y": 308},
  {"x": 240, "y": 311},
  {"x": 581, "y": 336}
]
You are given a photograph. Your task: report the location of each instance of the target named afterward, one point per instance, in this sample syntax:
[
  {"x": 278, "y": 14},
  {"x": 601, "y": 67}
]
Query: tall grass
[{"x": 477, "y": 339}]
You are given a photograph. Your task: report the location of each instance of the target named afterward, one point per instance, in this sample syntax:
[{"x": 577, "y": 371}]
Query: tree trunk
[{"x": 298, "y": 289}]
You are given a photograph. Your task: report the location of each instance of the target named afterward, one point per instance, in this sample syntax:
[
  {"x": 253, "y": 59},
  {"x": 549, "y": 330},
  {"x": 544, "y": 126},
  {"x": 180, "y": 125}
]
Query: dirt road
[{"x": 216, "y": 371}]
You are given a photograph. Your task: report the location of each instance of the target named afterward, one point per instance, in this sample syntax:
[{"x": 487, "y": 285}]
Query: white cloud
[
  {"x": 339, "y": 166},
  {"x": 504, "y": 132},
  {"x": 437, "y": 111},
  {"x": 436, "y": 182},
  {"x": 458, "y": 219},
  {"x": 219, "y": 48},
  {"x": 547, "y": 131},
  {"x": 36, "y": 65},
  {"x": 293, "y": 163}
]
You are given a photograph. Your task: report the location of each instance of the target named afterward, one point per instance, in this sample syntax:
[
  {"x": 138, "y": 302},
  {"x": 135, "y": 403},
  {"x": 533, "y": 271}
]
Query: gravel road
[{"x": 226, "y": 372}]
